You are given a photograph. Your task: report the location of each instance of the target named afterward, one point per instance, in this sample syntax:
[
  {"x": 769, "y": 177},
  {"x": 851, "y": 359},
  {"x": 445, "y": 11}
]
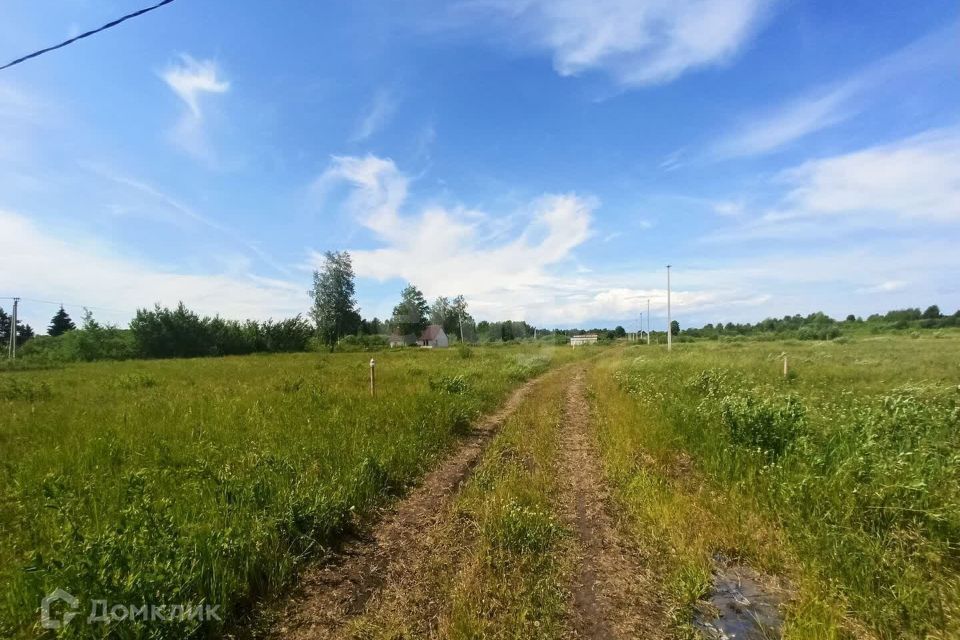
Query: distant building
[
  {"x": 586, "y": 338},
  {"x": 434, "y": 336}
]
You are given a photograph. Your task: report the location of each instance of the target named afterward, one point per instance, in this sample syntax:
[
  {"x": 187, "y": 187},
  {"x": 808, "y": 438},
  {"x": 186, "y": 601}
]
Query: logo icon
[{"x": 71, "y": 603}]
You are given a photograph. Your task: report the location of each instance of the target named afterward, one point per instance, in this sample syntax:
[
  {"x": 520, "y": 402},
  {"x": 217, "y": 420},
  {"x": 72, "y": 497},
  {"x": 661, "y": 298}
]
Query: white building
[{"x": 586, "y": 338}]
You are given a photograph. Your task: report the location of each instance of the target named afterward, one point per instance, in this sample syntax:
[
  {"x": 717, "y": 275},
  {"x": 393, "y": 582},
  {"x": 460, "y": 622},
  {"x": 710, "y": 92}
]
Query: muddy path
[
  {"x": 613, "y": 595},
  {"x": 338, "y": 590}
]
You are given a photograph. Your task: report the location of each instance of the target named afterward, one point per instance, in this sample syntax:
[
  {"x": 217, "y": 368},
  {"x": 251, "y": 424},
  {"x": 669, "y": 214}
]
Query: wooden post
[
  {"x": 373, "y": 377},
  {"x": 784, "y": 365}
]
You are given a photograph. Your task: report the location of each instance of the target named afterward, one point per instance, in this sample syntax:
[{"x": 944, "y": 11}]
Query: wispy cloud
[
  {"x": 888, "y": 286},
  {"x": 100, "y": 277},
  {"x": 889, "y": 186},
  {"x": 636, "y": 43},
  {"x": 832, "y": 104},
  {"x": 149, "y": 198},
  {"x": 191, "y": 80},
  {"x": 913, "y": 179},
  {"x": 378, "y": 114}
]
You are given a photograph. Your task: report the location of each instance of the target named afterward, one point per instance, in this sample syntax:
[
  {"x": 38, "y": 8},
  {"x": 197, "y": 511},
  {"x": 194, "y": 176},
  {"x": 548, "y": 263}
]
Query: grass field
[
  {"x": 213, "y": 481},
  {"x": 843, "y": 476},
  {"x": 210, "y": 481}
]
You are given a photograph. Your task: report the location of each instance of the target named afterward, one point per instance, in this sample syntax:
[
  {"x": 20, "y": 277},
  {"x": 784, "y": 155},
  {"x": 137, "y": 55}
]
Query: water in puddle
[{"x": 740, "y": 607}]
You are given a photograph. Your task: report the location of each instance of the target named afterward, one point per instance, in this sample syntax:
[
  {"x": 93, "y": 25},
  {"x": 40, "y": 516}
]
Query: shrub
[
  {"x": 136, "y": 381},
  {"x": 14, "y": 389},
  {"x": 455, "y": 385},
  {"x": 181, "y": 333},
  {"x": 768, "y": 424}
]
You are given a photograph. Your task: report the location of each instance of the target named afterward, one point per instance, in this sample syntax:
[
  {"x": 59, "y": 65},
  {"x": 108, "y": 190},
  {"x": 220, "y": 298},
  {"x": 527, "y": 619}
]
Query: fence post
[
  {"x": 784, "y": 365},
  {"x": 373, "y": 377}
]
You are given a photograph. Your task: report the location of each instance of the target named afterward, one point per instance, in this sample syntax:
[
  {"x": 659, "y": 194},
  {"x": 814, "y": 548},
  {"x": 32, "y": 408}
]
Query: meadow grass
[
  {"x": 512, "y": 583},
  {"x": 210, "y": 481},
  {"x": 844, "y": 477}
]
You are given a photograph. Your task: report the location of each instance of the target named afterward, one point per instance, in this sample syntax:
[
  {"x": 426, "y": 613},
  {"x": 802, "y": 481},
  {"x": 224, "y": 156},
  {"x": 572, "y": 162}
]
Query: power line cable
[{"x": 85, "y": 35}]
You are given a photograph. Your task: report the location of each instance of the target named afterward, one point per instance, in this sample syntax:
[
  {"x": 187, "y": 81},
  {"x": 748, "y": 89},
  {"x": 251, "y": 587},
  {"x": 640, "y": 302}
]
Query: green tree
[
  {"x": 619, "y": 332},
  {"x": 932, "y": 312},
  {"x": 410, "y": 316},
  {"x": 441, "y": 312},
  {"x": 4, "y": 329},
  {"x": 334, "y": 307},
  {"x": 675, "y": 328},
  {"x": 462, "y": 317},
  {"x": 60, "y": 324}
]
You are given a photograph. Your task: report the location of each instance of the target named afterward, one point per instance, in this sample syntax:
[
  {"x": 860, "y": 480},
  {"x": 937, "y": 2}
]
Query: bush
[
  {"x": 768, "y": 424},
  {"x": 455, "y": 385},
  {"x": 356, "y": 343},
  {"x": 13, "y": 389},
  {"x": 818, "y": 332},
  {"x": 181, "y": 333}
]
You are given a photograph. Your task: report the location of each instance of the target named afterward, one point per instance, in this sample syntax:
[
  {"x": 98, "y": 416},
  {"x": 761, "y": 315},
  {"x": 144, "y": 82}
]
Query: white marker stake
[{"x": 373, "y": 377}]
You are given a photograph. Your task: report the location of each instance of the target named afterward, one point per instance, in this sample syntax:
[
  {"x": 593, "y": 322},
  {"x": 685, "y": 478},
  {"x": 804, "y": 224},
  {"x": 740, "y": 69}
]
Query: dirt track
[
  {"x": 613, "y": 596},
  {"x": 332, "y": 594}
]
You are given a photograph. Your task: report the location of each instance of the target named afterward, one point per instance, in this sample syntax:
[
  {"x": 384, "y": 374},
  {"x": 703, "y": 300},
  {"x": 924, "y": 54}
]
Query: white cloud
[
  {"x": 191, "y": 80},
  {"x": 377, "y": 116},
  {"x": 888, "y": 286},
  {"x": 832, "y": 104},
  {"x": 787, "y": 124},
  {"x": 730, "y": 208},
  {"x": 45, "y": 266},
  {"x": 916, "y": 178},
  {"x": 637, "y": 43},
  {"x": 530, "y": 274},
  {"x": 892, "y": 186}
]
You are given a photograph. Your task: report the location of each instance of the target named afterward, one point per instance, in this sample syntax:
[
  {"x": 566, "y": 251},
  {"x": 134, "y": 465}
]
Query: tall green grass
[
  {"x": 211, "y": 481},
  {"x": 855, "y": 455}
]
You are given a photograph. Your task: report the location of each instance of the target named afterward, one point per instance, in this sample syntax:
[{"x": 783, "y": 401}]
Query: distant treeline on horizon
[{"x": 180, "y": 333}]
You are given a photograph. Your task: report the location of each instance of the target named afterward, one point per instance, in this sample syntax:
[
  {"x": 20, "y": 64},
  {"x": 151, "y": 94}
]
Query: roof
[{"x": 431, "y": 332}]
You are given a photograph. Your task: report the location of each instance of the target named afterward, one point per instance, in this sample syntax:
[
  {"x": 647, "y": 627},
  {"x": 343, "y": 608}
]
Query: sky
[{"x": 545, "y": 158}]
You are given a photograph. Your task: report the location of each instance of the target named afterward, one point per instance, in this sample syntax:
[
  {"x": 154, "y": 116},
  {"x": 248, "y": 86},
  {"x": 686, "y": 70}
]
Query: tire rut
[
  {"x": 613, "y": 594},
  {"x": 329, "y": 596}
]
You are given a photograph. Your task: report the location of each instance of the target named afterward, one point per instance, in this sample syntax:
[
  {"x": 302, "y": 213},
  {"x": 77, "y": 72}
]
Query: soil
[
  {"x": 613, "y": 594},
  {"x": 338, "y": 590}
]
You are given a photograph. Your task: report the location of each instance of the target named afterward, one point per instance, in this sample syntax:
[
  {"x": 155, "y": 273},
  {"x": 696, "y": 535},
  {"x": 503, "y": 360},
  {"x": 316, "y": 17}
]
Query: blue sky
[{"x": 545, "y": 158}]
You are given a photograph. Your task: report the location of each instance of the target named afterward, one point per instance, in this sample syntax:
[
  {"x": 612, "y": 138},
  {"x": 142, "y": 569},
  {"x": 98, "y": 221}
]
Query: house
[
  {"x": 434, "y": 336},
  {"x": 586, "y": 338}
]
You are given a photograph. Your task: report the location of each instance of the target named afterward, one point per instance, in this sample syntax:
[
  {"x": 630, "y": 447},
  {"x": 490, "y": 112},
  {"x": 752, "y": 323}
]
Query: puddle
[{"x": 742, "y": 606}]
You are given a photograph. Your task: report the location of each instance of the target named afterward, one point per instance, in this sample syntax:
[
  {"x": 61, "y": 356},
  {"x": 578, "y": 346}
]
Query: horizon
[{"x": 545, "y": 160}]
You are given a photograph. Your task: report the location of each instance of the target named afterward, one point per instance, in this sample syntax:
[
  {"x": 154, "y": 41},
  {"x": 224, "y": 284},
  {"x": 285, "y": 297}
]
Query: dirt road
[{"x": 611, "y": 594}]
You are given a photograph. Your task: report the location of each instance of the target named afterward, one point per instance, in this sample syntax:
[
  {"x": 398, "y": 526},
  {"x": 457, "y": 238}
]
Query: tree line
[{"x": 334, "y": 321}]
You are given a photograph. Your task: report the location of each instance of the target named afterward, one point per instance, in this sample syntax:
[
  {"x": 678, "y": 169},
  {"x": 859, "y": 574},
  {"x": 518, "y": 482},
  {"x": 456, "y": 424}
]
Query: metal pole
[
  {"x": 648, "y": 320},
  {"x": 13, "y": 330},
  {"x": 669, "y": 317}
]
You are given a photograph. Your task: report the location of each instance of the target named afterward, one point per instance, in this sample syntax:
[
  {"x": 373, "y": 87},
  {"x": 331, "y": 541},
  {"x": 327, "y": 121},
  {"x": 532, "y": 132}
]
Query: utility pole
[
  {"x": 640, "y": 334},
  {"x": 669, "y": 317},
  {"x": 13, "y": 330},
  {"x": 460, "y": 318},
  {"x": 648, "y": 321}
]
